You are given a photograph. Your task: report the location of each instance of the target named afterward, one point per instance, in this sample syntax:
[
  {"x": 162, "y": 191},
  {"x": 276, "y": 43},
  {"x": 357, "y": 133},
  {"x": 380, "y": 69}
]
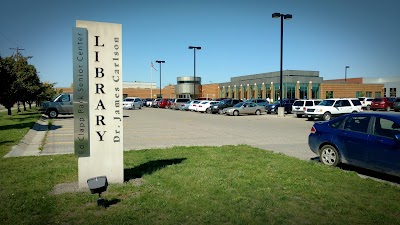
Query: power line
[{"x": 5, "y": 37}]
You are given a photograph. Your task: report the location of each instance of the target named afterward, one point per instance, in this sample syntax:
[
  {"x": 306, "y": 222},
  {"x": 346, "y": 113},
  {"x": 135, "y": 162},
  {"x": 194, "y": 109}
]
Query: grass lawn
[{"x": 191, "y": 185}]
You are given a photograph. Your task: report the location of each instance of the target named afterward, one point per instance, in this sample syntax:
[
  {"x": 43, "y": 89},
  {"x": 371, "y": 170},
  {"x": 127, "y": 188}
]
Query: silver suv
[
  {"x": 331, "y": 107},
  {"x": 179, "y": 101}
]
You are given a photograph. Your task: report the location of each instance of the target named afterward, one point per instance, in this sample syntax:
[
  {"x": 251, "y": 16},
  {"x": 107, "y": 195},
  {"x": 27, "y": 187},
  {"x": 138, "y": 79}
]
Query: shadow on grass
[
  {"x": 17, "y": 126},
  {"x": 28, "y": 113},
  {"x": 366, "y": 172},
  {"x": 108, "y": 203},
  {"x": 149, "y": 168},
  {"x": 371, "y": 174},
  {"x": 6, "y": 142}
]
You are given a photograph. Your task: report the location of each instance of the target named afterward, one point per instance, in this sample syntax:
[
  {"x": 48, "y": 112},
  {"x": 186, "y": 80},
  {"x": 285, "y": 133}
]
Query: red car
[
  {"x": 163, "y": 103},
  {"x": 384, "y": 103}
]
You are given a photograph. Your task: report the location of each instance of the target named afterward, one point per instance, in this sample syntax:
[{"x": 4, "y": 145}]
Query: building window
[
  {"x": 315, "y": 91},
  {"x": 368, "y": 94},
  {"x": 359, "y": 94},
  {"x": 329, "y": 94},
  {"x": 378, "y": 94},
  {"x": 392, "y": 92},
  {"x": 384, "y": 92}
]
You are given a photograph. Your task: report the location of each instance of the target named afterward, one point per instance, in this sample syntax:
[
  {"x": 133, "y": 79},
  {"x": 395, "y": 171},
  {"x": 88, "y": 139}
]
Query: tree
[
  {"x": 8, "y": 83},
  {"x": 28, "y": 82},
  {"x": 47, "y": 92}
]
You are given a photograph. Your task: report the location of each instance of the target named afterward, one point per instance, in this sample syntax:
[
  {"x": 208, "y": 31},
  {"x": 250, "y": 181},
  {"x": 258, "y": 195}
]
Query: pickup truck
[{"x": 61, "y": 104}]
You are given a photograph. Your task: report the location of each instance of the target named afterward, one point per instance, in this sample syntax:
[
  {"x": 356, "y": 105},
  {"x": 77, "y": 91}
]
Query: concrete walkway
[{"x": 30, "y": 144}]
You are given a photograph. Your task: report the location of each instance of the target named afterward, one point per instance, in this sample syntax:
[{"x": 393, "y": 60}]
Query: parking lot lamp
[
  {"x": 345, "y": 73},
  {"x": 194, "y": 69},
  {"x": 286, "y": 17},
  {"x": 158, "y": 61}
]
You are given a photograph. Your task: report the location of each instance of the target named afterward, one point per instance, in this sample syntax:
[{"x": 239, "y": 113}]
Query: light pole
[
  {"x": 194, "y": 68},
  {"x": 286, "y": 17},
  {"x": 158, "y": 61},
  {"x": 345, "y": 73}
]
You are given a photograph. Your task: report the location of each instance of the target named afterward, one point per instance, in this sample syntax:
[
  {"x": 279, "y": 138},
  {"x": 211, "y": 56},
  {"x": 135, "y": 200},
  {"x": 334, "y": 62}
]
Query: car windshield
[
  {"x": 240, "y": 104},
  {"x": 55, "y": 97},
  {"x": 327, "y": 102},
  {"x": 128, "y": 100}
]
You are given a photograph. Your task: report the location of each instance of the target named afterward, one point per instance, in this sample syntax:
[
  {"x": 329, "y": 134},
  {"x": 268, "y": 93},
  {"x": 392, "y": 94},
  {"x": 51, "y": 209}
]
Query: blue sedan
[{"x": 367, "y": 140}]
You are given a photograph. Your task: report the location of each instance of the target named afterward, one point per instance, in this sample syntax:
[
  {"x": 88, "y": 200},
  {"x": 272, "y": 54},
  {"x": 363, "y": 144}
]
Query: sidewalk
[{"x": 29, "y": 145}]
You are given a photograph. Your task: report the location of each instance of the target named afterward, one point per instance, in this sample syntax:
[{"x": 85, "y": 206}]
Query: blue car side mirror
[{"x": 397, "y": 137}]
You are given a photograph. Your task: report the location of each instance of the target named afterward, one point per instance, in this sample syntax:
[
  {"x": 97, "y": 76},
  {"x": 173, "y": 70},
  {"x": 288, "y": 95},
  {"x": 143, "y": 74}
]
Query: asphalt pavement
[{"x": 150, "y": 128}]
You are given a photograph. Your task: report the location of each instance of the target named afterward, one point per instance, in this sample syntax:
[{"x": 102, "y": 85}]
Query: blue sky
[{"x": 238, "y": 37}]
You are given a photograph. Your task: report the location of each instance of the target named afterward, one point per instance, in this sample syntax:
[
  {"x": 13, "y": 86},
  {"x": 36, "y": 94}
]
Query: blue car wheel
[{"x": 329, "y": 155}]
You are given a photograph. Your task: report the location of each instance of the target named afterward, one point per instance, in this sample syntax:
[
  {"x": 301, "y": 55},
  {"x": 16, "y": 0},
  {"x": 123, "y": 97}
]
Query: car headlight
[{"x": 272, "y": 106}]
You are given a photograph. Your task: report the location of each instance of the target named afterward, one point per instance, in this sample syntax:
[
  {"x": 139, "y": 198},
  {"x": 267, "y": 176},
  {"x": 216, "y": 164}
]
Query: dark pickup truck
[{"x": 229, "y": 102}]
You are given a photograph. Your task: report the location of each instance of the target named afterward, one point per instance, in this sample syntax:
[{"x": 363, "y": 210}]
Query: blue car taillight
[{"x": 313, "y": 130}]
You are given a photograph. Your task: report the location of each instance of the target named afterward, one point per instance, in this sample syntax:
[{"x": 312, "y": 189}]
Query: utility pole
[{"x": 18, "y": 49}]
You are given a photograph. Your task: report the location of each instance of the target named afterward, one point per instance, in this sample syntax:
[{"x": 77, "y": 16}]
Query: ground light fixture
[
  {"x": 194, "y": 69},
  {"x": 286, "y": 17},
  {"x": 97, "y": 185}
]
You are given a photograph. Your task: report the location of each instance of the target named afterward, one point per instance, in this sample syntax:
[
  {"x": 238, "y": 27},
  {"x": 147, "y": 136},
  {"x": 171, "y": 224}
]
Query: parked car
[
  {"x": 149, "y": 102},
  {"x": 203, "y": 106},
  {"x": 287, "y": 103},
  {"x": 132, "y": 103},
  {"x": 61, "y": 104},
  {"x": 366, "y": 102},
  {"x": 155, "y": 102},
  {"x": 259, "y": 101},
  {"x": 396, "y": 105},
  {"x": 244, "y": 108},
  {"x": 212, "y": 104},
  {"x": 225, "y": 103},
  {"x": 384, "y": 103},
  {"x": 185, "y": 106},
  {"x": 179, "y": 101},
  {"x": 299, "y": 107},
  {"x": 368, "y": 140},
  {"x": 193, "y": 105},
  {"x": 163, "y": 103},
  {"x": 169, "y": 103},
  {"x": 331, "y": 107}
]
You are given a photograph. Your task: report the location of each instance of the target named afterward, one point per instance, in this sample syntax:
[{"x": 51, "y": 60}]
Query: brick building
[{"x": 296, "y": 84}]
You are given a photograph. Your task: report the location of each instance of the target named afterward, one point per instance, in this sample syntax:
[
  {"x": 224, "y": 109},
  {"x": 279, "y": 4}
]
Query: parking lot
[{"x": 149, "y": 128}]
